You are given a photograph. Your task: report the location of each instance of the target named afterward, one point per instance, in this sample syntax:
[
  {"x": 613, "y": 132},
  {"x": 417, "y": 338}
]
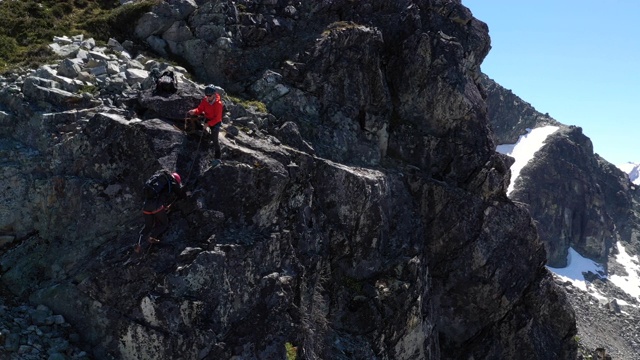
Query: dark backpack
[
  {"x": 224, "y": 107},
  {"x": 158, "y": 183},
  {"x": 166, "y": 83}
]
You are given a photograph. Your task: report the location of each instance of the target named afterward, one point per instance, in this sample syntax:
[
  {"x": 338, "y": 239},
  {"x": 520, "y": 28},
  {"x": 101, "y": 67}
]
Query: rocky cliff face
[
  {"x": 509, "y": 115},
  {"x": 582, "y": 200},
  {"x": 578, "y": 198},
  {"x": 363, "y": 217}
]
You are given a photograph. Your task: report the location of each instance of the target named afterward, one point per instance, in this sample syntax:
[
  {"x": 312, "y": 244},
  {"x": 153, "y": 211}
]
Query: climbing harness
[{"x": 162, "y": 207}]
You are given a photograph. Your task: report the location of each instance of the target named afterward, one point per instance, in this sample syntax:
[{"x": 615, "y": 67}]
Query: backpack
[
  {"x": 166, "y": 83},
  {"x": 157, "y": 184},
  {"x": 224, "y": 107}
]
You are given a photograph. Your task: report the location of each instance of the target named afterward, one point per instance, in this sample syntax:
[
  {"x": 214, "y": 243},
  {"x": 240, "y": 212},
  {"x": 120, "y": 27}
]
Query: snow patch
[
  {"x": 524, "y": 149},
  {"x": 633, "y": 170},
  {"x": 629, "y": 283},
  {"x": 577, "y": 266}
]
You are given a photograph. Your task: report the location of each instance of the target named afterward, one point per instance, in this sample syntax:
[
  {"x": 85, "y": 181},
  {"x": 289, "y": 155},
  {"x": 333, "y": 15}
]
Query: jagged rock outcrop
[
  {"x": 583, "y": 201},
  {"x": 510, "y": 116},
  {"x": 572, "y": 211},
  {"x": 363, "y": 217},
  {"x": 578, "y": 198}
]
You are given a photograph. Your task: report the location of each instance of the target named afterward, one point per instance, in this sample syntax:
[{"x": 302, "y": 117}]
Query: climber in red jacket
[{"x": 211, "y": 108}]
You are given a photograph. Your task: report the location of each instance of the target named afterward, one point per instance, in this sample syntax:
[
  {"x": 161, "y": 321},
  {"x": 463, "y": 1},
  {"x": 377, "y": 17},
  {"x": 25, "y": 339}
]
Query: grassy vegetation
[
  {"x": 292, "y": 351},
  {"x": 28, "y": 26},
  {"x": 339, "y": 25},
  {"x": 250, "y": 104},
  {"x": 88, "y": 89}
]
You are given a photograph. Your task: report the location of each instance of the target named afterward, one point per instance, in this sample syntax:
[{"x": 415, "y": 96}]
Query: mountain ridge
[
  {"x": 582, "y": 203},
  {"x": 338, "y": 231}
]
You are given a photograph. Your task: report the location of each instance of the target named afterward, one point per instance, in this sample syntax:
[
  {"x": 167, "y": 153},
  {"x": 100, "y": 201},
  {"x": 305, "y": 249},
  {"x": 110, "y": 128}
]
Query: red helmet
[{"x": 177, "y": 177}]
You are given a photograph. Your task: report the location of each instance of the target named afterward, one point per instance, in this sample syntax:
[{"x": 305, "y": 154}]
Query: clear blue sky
[{"x": 578, "y": 60}]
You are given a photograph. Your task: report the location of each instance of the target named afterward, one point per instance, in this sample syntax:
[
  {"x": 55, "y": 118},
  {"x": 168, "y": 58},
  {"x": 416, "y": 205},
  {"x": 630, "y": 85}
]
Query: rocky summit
[
  {"x": 582, "y": 203},
  {"x": 359, "y": 212},
  {"x": 579, "y": 199}
]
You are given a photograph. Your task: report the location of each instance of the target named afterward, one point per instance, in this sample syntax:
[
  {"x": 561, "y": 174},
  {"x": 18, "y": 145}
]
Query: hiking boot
[
  {"x": 152, "y": 240},
  {"x": 216, "y": 162}
]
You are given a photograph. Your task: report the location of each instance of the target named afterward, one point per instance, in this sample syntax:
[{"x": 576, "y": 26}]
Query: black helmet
[{"x": 209, "y": 90}]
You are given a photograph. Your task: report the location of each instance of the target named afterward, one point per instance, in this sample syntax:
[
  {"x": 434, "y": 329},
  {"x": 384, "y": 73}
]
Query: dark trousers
[
  {"x": 155, "y": 224},
  {"x": 215, "y": 131}
]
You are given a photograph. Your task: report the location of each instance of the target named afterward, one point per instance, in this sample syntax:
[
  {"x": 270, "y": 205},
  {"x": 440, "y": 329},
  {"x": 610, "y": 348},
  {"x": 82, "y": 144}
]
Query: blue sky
[{"x": 578, "y": 60}]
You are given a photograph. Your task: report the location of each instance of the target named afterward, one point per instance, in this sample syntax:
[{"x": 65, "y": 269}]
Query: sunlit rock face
[{"x": 362, "y": 216}]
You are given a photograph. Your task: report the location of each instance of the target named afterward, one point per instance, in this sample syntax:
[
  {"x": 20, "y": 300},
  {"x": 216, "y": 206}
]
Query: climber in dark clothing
[{"x": 161, "y": 190}]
